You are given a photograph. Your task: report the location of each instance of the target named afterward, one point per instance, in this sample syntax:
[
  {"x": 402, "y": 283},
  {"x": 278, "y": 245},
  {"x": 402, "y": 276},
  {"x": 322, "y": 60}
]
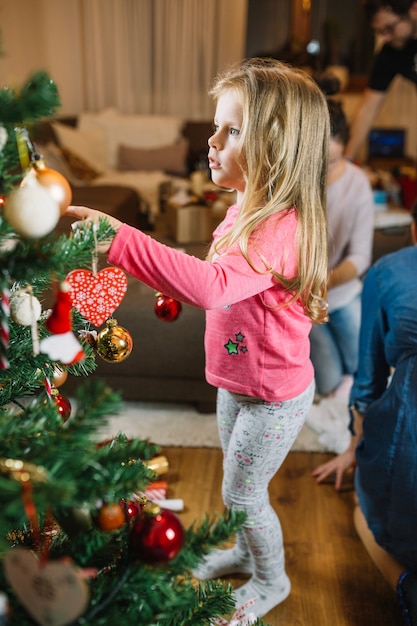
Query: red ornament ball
[
  {"x": 63, "y": 404},
  {"x": 131, "y": 508},
  {"x": 156, "y": 538},
  {"x": 167, "y": 309}
]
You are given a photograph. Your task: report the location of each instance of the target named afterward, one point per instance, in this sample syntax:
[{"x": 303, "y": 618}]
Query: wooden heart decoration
[
  {"x": 53, "y": 594},
  {"x": 97, "y": 296}
]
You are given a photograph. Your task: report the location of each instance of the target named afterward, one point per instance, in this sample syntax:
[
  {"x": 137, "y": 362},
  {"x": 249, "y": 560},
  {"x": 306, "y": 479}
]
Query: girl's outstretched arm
[{"x": 85, "y": 213}]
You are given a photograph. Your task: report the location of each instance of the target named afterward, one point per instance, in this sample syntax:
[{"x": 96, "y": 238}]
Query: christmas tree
[{"x": 81, "y": 543}]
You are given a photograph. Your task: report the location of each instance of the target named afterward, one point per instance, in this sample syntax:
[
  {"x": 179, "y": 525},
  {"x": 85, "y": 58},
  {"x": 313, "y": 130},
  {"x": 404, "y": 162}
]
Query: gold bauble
[
  {"x": 56, "y": 184},
  {"x": 59, "y": 376},
  {"x": 74, "y": 520},
  {"x": 114, "y": 344}
]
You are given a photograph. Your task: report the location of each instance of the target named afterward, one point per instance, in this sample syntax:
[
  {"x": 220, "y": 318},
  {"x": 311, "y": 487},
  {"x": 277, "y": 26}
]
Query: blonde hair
[{"x": 283, "y": 155}]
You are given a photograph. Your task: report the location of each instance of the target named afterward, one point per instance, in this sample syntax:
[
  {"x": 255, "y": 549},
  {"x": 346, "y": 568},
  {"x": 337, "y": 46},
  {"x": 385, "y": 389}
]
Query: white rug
[{"x": 181, "y": 425}]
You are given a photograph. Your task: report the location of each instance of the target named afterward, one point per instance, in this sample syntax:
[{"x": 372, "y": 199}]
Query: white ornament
[
  {"x": 63, "y": 347},
  {"x": 31, "y": 210},
  {"x": 25, "y": 308},
  {"x": 3, "y": 137}
]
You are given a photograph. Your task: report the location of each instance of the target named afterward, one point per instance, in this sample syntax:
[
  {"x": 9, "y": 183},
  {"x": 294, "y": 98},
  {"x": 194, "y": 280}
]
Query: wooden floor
[{"x": 334, "y": 582}]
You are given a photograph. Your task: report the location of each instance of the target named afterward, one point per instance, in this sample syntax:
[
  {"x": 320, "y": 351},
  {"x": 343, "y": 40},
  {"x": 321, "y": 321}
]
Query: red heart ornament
[
  {"x": 54, "y": 593},
  {"x": 97, "y": 296}
]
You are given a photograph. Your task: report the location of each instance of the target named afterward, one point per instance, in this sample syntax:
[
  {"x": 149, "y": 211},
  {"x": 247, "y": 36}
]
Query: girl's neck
[{"x": 239, "y": 196}]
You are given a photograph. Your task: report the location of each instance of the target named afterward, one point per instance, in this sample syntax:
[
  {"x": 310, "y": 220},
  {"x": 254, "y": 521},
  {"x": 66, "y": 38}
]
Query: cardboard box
[{"x": 190, "y": 223}]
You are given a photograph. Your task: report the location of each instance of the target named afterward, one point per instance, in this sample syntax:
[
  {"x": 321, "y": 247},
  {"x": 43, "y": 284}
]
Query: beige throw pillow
[
  {"x": 134, "y": 130},
  {"x": 88, "y": 145},
  {"x": 171, "y": 159},
  {"x": 81, "y": 169}
]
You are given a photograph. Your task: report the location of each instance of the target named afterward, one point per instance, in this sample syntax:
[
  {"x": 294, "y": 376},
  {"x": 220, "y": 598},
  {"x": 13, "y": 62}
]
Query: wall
[
  {"x": 46, "y": 35},
  {"x": 398, "y": 111},
  {"x": 42, "y": 35}
]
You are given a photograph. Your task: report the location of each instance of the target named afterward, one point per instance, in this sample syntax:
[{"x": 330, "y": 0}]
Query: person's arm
[
  {"x": 85, "y": 213},
  {"x": 342, "y": 273},
  {"x": 359, "y": 206},
  {"x": 226, "y": 280},
  {"x": 363, "y": 120}
]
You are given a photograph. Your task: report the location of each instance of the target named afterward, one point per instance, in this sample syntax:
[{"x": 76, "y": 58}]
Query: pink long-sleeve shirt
[{"x": 253, "y": 345}]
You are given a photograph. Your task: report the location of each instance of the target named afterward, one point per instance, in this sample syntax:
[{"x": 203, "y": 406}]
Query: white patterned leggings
[{"x": 256, "y": 436}]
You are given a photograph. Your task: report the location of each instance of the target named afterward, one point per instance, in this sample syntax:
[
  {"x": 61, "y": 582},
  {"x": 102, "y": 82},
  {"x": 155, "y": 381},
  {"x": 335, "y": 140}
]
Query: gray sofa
[{"x": 167, "y": 360}]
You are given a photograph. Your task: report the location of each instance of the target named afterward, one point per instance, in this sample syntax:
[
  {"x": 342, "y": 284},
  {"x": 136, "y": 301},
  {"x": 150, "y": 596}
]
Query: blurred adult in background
[
  {"x": 350, "y": 216},
  {"x": 384, "y": 423},
  {"x": 395, "y": 23}
]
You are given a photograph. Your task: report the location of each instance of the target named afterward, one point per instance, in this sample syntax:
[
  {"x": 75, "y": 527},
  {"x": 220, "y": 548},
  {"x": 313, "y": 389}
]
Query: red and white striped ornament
[{"x": 4, "y": 325}]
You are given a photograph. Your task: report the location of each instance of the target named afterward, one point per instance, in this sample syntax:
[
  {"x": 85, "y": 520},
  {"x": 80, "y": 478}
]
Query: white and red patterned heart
[
  {"x": 97, "y": 296},
  {"x": 54, "y": 593}
]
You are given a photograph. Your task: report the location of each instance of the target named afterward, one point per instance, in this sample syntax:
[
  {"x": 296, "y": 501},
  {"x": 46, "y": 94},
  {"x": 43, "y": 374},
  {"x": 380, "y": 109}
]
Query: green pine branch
[
  {"x": 37, "y": 98},
  {"x": 39, "y": 262}
]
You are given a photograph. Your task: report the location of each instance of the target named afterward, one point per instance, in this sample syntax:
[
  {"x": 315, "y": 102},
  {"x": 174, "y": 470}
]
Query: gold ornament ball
[
  {"x": 56, "y": 184},
  {"x": 114, "y": 344},
  {"x": 59, "y": 376},
  {"x": 74, "y": 520}
]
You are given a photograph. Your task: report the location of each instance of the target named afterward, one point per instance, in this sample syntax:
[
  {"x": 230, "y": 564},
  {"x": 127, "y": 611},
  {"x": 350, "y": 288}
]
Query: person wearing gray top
[{"x": 350, "y": 215}]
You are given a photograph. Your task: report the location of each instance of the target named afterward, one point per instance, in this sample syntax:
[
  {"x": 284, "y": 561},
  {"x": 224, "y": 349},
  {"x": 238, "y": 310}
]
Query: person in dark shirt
[{"x": 395, "y": 24}]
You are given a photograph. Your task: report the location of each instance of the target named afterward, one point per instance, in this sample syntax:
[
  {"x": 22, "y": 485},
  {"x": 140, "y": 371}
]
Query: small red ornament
[
  {"x": 157, "y": 536},
  {"x": 210, "y": 196},
  {"x": 167, "y": 309},
  {"x": 132, "y": 509},
  {"x": 63, "y": 404}
]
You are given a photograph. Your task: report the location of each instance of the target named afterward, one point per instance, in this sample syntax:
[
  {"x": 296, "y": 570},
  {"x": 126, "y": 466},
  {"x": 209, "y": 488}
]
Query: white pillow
[
  {"x": 89, "y": 145},
  {"x": 134, "y": 131}
]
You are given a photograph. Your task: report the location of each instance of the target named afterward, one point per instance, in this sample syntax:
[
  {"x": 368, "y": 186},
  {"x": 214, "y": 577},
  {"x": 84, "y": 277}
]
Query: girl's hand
[
  {"x": 84, "y": 213},
  {"x": 338, "y": 466}
]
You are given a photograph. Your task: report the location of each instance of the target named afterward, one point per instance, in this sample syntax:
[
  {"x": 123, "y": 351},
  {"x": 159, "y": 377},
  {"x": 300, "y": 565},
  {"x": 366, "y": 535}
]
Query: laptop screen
[{"x": 386, "y": 142}]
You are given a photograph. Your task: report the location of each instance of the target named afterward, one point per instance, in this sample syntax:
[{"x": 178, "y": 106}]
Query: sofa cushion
[
  {"x": 139, "y": 131},
  {"x": 89, "y": 145},
  {"x": 80, "y": 168},
  {"x": 171, "y": 158}
]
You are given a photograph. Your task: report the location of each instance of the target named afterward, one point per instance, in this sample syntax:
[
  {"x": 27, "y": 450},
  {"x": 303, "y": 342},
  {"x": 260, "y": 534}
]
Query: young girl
[{"x": 262, "y": 285}]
